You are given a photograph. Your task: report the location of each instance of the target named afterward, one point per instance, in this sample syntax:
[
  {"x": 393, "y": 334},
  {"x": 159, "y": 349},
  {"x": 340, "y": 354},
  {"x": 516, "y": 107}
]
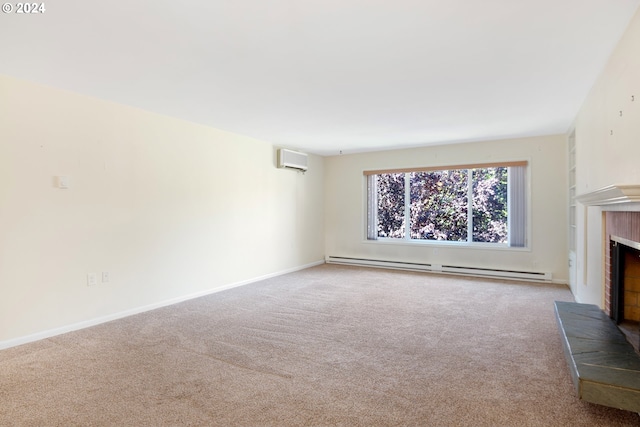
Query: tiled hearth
[{"x": 603, "y": 365}]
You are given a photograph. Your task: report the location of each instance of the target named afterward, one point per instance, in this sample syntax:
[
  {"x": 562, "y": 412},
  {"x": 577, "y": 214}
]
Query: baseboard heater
[{"x": 438, "y": 268}]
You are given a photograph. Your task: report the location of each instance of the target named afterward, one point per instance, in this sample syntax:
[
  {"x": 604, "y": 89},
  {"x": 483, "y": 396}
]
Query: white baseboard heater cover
[
  {"x": 439, "y": 268},
  {"x": 292, "y": 159}
]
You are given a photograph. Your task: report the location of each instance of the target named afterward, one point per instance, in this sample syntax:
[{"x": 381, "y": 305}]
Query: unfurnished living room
[{"x": 354, "y": 213}]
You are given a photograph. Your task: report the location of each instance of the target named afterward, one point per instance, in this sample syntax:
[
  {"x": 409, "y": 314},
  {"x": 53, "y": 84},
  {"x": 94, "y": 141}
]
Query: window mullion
[
  {"x": 469, "y": 205},
  {"x": 407, "y": 206}
]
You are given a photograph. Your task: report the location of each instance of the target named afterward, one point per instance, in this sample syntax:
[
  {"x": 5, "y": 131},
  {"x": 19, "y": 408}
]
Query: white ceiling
[{"x": 329, "y": 75}]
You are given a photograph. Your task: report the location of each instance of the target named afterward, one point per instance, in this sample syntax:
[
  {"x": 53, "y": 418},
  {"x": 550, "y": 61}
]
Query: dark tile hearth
[
  {"x": 631, "y": 330},
  {"x": 605, "y": 368}
]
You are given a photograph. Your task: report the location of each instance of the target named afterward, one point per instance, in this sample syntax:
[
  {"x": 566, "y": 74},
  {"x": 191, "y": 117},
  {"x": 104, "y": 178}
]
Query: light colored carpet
[{"x": 327, "y": 346}]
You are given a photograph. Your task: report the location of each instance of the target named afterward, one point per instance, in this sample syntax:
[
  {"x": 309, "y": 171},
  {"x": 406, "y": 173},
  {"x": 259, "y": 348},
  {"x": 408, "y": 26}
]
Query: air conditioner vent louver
[{"x": 292, "y": 159}]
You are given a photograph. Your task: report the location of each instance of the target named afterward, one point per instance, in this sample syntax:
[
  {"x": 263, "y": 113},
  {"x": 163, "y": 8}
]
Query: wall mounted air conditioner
[{"x": 292, "y": 159}]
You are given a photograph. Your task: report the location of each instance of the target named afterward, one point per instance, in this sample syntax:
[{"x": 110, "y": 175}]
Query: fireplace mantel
[{"x": 611, "y": 195}]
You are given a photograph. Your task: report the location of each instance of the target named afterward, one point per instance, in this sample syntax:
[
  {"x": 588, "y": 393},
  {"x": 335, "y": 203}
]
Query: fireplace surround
[{"x": 621, "y": 213}]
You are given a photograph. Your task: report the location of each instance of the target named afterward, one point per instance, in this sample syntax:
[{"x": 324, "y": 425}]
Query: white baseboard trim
[
  {"x": 487, "y": 272},
  {"x": 115, "y": 316}
]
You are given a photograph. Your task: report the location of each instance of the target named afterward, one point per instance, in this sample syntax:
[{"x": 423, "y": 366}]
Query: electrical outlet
[
  {"x": 92, "y": 279},
  {"x": 105, "y": 277}
]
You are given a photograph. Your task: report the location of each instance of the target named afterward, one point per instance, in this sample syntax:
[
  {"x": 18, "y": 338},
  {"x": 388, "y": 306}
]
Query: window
[{"x": 466, "y": 204}]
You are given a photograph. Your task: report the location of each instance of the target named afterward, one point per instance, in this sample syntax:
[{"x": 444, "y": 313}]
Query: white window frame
[{"x": 518, "y": 219}]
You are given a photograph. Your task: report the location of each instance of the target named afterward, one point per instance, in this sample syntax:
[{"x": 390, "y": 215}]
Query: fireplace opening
[{"x": 625, "y": 288}]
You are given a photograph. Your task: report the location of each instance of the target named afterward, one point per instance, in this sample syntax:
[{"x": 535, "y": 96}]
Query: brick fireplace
[
  {"x": 624, "y": 227},
  {"x": 622, "y": 272},
  {"x": 620, "y": 204}
]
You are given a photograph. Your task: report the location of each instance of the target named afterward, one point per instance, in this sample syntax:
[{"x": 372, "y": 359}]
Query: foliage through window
[{"x": 476, "y": 204}]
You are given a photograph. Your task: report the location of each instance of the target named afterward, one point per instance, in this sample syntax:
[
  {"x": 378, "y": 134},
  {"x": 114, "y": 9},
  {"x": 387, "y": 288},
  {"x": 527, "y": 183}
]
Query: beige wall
[
  {"x": 604, "y": 159},
  {"x": 169, "y": 208},
  {"x": 345, "y": 205}
]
